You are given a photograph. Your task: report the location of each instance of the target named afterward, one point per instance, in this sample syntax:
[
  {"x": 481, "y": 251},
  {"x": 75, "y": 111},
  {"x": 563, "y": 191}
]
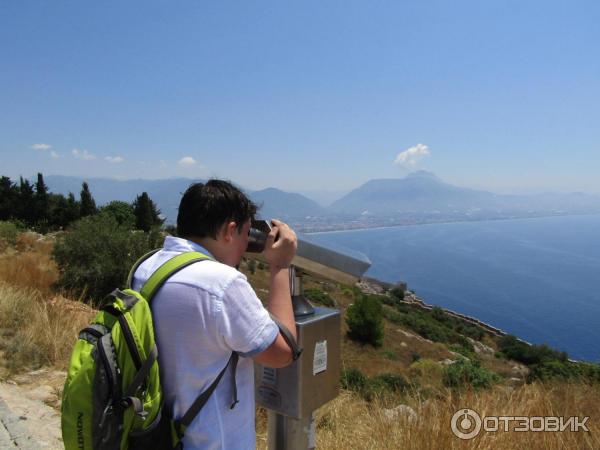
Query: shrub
[
  {"x": 436, "y": 325},
  {"x": 397, "y": 293},
  {"x": 377, "y": 386},
  {"x": 462, "y": 350},
  {"x": 426, "y": 372},
  {"x": 95, "y": 256},
  {"x": 529, "y": 354},
  {"x": 319, "y": 297},
  {"x": 365, "y": 321},
  {"x": 392, "y": 382},
  {"x": 466, "y": 373},
  {"x": 353, "y": 380},
  {"x": 565, "y": 370},
  {"x": 8, "y": 234},
  {"x": 122, "y": 213},
  {"x": 389, "y": 354}
]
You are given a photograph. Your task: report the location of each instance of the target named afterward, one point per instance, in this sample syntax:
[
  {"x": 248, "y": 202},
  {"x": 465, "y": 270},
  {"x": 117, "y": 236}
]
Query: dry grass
[
  {"x": 31, "y": 265},
  {"x": 36, "y": 330},
  {"x": 349, "y": 422}
]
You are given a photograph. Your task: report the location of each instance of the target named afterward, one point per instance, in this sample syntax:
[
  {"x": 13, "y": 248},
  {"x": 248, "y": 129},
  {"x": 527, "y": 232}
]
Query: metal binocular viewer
[{"x": 293, "y": 393}]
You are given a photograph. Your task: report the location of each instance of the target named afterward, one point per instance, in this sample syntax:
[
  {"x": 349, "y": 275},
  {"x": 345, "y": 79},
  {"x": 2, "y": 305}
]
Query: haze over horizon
[{"x": 308, "y": 98}]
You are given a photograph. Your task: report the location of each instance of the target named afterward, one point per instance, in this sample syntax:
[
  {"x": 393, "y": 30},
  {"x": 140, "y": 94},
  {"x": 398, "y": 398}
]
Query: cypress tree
[
  {"x": 8, "y": 199},
  {"x": 146, "y": 213},
  {"x": 88, "y": 205},
  {"x": 41, "y": 201},
  {"x": 73, "y": 209},
  {"x": 25, "y": 202}
]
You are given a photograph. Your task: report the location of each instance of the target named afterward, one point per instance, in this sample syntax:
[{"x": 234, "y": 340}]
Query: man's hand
[
  {"x": 281, "y": 245},
  {"x": 279, "y": 251}
]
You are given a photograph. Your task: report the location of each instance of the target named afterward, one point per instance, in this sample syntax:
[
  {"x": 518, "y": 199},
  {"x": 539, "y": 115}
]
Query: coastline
[
  {"x": 442, "y": 222},
  {"x": 417, "y": 302},
  {"x": 547, "y": 275}
]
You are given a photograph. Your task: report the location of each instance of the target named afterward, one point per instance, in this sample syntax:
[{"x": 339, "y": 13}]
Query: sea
[{"x": 538, "y": 278}]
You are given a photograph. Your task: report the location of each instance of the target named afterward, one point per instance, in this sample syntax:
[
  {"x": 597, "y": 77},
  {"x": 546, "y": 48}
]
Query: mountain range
[{"x": 419, "y": 197}]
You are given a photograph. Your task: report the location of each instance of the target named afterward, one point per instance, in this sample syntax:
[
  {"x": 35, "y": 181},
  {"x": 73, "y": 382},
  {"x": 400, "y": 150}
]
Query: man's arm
[{"x": 279, "y": 252}]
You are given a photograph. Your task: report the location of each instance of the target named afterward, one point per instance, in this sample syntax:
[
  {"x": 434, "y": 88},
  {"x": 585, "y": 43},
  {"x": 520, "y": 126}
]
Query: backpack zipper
[
  {"x": 127, "y": 334},
  {"x": 130, "y": 340},
  {"x": 113, "y": 378},
  {"x": 107, "y": 368}
]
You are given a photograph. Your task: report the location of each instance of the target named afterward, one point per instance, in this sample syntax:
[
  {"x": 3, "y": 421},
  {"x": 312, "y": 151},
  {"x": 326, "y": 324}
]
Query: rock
[
  {"x": 399, "y": 412},
  {"x": 41, "y": 423},
  {"x": 480, "y": 347},
  {"x": 403, "y": 344},
  {"x": 514, "y": 381},
  {"x": 370, "y": 288},
  {"x": 413, "y": 336},
  {"x": 448, "y": 362},
  {"x": 520, "y": 370},
  {"x": 459, "y": 356}
]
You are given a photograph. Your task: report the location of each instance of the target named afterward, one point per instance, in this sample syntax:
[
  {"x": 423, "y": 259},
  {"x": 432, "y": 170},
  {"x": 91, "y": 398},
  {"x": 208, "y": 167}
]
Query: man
[{"x": 208, "y": 310}]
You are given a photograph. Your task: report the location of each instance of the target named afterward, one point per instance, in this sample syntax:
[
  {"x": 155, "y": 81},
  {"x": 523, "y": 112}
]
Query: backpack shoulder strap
[
  {"x": 173, "y": 265},
  {"x": 137, "y": 264}
]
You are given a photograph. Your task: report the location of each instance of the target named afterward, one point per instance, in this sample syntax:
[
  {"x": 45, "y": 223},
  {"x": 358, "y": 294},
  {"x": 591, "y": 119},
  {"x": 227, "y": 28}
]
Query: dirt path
[{"x": 29, "y": 416}]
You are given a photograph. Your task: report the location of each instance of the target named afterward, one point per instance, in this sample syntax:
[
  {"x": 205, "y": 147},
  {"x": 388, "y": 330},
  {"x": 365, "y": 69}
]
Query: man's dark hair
[{"x": 204, "y": 208}]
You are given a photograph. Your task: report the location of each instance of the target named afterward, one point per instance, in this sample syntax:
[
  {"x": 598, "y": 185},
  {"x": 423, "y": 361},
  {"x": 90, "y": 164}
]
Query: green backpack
[{"x": 112, "y": 397}]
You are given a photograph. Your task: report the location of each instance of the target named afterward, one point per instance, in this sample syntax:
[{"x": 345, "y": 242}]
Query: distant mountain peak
[{"x": 422, "y": 174}]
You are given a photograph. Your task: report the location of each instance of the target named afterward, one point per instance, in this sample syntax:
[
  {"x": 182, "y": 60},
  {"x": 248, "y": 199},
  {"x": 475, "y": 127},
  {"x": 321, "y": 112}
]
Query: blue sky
[{"x": 304, "y": 96}]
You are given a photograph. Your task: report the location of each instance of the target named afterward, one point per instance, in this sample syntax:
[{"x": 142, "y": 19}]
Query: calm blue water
[{"x": 536, "y": 278}]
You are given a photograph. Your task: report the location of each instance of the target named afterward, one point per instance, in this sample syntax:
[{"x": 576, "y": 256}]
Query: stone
[
  {"x": 480, "y": 347},
  {"x": 520, "y": 370},
  {"x": 448, "y": 362},
  {"x": 459, "y": 356},
  {"x": 401, "y": 411}
]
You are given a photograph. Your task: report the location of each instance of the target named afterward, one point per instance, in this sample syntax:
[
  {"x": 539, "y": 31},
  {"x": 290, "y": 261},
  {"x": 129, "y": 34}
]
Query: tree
[
  {"x": 41, "y": 202},
  {"x": 73, "y": 209},
  {"x": 88, "y": 205},
  {"x": 58, "y": 211},
  {"x": 121, "y": 211},
  {"x": 95, "y": 256},
  {"x": 147, "y": 215},
  {"x": 9, "y": 194},
  {"x": 25, "y": 204},
  {"x": 365, "y": 320}
]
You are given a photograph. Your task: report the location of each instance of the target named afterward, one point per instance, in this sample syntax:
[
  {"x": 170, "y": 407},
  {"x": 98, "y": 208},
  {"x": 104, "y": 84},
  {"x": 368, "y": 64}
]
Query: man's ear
[{"x": 227, "y": 231}]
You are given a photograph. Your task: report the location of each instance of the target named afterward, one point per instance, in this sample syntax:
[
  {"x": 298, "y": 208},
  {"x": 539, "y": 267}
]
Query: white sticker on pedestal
[{"x": 320, "y": 358}]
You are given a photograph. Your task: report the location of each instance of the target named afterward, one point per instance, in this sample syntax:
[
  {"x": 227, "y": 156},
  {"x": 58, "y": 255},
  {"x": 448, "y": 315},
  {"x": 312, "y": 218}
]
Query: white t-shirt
[{"x": 202, "y": 314}]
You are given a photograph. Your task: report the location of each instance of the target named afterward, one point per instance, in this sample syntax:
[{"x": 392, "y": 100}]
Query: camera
[{"x": 257, "y": 237}]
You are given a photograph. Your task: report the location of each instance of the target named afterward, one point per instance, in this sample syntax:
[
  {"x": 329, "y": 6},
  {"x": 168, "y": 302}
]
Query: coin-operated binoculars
[{"x": 293, "y": 393}]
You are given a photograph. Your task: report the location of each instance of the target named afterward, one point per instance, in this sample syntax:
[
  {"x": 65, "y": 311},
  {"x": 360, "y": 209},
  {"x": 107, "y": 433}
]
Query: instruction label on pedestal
[{"x": 320, "y": 358}]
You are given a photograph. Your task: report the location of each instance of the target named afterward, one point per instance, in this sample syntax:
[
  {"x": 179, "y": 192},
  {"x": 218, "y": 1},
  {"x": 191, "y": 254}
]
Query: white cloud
[
  {"x": 411, "y": 156},
  {"x": 187, "y": 161},
  {"x": 54, "y": 154},
  {"x": 83, "y": 154},
  {"x": 114, "y": 159},
  {"x": 41, "y": 147}
]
